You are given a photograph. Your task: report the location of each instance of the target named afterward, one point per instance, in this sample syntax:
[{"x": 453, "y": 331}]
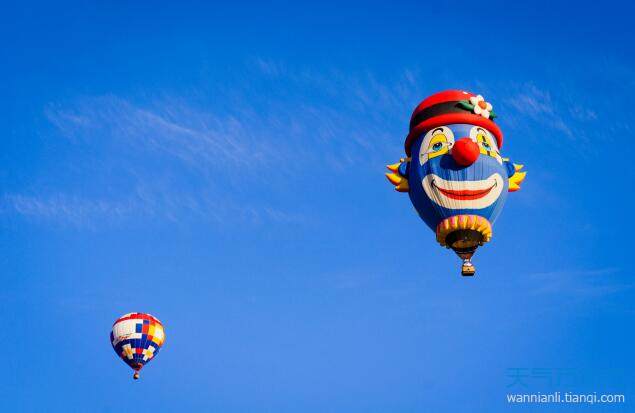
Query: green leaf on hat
[{"x": 465, "y": 104}]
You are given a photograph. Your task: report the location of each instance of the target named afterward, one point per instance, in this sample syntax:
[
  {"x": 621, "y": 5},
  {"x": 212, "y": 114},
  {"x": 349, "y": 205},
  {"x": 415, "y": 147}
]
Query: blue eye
[
  {"x": 437, "y": 146},
  {"x": 486, "y": 146}
]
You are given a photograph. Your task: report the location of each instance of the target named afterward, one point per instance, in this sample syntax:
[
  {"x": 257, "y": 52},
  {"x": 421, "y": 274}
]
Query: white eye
[
  {"x": 435, "y": 143},
  {"x": 484, "y": 139},
  {"x": 486, "y": 142}
]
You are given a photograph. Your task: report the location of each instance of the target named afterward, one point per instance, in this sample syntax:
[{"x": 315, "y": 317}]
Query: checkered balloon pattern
[{"x": 137, "y": 338}]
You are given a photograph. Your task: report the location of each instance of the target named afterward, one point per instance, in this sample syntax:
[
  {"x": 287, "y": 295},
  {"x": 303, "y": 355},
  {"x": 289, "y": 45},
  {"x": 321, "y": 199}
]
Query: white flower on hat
[{"x": 481, "y": 107}]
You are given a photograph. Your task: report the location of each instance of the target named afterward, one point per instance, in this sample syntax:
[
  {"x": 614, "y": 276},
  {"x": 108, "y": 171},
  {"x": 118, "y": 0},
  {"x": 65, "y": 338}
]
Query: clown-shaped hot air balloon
[
  {"x": 137, "y": 338},
  {"x": 454, "y": 172}
]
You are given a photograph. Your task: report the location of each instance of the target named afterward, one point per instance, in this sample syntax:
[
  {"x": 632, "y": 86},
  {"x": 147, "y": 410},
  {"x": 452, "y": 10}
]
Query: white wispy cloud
[
  {"x": 173, "y": 162},
  {"x": 530, "y": 106},
  {"x": 89, "y": 212},
  {"x": 200, "y": 139},
  {"x": 579, "y": 282},
  {"x": 177, "y": 157},
  {"x": 566, "y": 115},
  {"x": 576, "y": 272},
  {"x": 71, "y": 209}
]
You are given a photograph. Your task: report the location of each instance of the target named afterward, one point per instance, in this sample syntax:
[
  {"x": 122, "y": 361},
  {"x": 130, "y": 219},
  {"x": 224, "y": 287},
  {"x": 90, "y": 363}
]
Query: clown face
[{"x": 457, "y": 169}]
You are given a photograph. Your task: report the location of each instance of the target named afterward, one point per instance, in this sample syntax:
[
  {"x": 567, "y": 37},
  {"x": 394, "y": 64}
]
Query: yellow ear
[
  {"x": 517, "y": 178},
  {"x": 399, "y": 181}
]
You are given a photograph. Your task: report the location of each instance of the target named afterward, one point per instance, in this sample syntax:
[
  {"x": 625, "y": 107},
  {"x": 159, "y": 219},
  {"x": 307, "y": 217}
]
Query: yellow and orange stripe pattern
[{"x": 473, "y": 222}]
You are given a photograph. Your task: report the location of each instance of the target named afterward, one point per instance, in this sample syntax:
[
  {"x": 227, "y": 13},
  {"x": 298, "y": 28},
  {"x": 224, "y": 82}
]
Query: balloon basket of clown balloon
[{"x": 464, "y": 234}]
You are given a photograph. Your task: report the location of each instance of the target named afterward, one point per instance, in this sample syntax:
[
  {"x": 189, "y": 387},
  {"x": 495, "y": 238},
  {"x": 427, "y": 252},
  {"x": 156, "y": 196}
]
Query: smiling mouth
[{"x": 465, "y": 194}]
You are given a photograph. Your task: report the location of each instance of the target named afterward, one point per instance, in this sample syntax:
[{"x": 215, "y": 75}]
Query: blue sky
[{"x": 221, "y": 167}]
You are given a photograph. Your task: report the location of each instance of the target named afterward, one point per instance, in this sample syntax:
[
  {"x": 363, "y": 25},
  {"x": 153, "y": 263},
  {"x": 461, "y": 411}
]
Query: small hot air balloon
[
  {"x": 137, "y": 339},
  {"x": 454, "y": 172}
]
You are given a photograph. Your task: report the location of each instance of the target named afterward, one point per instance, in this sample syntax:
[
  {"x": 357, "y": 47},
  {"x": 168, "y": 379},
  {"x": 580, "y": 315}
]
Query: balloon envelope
[
  {"x": 454, "y": 172},
  {"x": 137, "y": 339}
]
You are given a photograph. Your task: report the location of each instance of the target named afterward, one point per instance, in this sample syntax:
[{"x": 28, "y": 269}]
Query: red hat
[{"x": 452, "y": 106}]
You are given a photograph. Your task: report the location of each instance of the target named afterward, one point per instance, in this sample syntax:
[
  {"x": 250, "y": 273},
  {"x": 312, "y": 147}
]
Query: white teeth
[{"x": 495, "y": 182}]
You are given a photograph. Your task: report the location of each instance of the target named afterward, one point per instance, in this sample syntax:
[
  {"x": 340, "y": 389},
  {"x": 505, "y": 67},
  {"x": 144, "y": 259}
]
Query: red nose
[{"x": 465, "y": 152}]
